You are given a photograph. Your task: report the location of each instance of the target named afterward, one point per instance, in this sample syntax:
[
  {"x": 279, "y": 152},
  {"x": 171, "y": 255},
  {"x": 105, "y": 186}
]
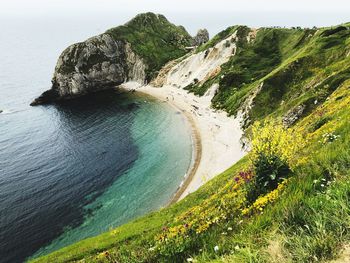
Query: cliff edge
[{"x": 134, "y": 51}]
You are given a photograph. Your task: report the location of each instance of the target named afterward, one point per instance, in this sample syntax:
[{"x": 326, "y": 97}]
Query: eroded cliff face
[
  {"x": 136, "y": 66},
  {"x": 95, "y": 64},
  {"x": 199, "y": 67}
]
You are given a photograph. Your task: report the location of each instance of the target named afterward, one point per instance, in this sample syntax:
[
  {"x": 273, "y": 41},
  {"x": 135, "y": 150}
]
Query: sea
[{"x": 72, "y": 170}]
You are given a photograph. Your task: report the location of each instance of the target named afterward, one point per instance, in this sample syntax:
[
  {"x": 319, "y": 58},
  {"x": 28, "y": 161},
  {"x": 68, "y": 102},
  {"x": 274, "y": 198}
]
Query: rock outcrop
[
  {"x": 96, "y": 64},
  {"x": 132, "y": 52},
  {"x": 201, "y": 37},
  {"x": 293, "y": 115}
]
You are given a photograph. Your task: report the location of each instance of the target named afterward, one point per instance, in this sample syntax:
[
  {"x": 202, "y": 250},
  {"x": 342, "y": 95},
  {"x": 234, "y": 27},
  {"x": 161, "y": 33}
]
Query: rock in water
[
  {"x": 96, "y": 64},
  {"x": 201, "y": 37},
  {"x": 132, "y": 52}
]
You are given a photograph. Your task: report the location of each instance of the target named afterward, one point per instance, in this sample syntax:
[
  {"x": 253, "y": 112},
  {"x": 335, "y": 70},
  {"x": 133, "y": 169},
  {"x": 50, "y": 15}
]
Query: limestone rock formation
[
  {"x": 132, "y": 52},
  {"x": 201, "y": 37},
  {"x": 98, "y": 63}
]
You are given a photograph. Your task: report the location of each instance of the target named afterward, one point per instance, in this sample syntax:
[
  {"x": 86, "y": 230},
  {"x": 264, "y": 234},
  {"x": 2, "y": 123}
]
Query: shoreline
[
  {"x": 196, "y": 148},
  {"x": 215, "y": 136},
  {"x": 196, "y": 157}
]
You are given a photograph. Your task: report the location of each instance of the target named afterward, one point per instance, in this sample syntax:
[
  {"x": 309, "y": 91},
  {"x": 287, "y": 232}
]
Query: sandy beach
[{"x": 216, "y": 137}]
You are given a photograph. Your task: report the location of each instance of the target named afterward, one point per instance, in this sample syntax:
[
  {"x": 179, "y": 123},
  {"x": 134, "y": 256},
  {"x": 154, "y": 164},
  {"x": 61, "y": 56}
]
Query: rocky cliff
[
  {"x": 201, "y": 37},
  {"x": 134, "y": 51},
  {"x": 98, "y": 63}
]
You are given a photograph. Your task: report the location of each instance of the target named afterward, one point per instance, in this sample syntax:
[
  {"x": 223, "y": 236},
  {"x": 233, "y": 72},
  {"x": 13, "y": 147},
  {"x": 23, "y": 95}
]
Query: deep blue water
[{"x": 75, "y": 169}]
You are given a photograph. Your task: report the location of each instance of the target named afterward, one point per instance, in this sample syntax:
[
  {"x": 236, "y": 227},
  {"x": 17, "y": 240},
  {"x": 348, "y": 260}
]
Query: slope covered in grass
[
  {"x": 294, "y": 67},
  {"x": 294, "y": 207},
  {"x": 154, "y": 39},
  {"x": 258, "y": 53}
]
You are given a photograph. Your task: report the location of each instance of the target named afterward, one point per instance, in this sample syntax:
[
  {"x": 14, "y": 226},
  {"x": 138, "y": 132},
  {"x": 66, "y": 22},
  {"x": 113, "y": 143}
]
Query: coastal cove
[
  {"x": 206, "y": 129},
  {"x": 216, "y": 137},
  {"x": 94, "y": 163},
  {"x": 142, "y": 141},
  {"x": 78, "y": 168}
]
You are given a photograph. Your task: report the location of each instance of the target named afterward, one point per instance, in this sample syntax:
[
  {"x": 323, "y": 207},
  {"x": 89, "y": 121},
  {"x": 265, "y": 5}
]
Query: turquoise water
[
  {"x": 73, "y": 170},
  {"x": 163, "y": 139}
]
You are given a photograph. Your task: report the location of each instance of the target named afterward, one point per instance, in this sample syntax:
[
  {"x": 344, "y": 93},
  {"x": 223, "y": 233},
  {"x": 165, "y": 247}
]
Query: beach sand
[{"x": 216, "y": 137}]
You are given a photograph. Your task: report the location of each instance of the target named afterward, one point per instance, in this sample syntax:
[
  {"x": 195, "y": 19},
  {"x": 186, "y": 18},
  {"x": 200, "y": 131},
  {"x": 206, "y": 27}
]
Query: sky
[{"x": 215, "y": 15}]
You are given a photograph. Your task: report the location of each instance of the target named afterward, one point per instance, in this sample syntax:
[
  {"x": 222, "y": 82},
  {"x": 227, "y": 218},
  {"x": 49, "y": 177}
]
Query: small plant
[
  {"x": 329, "y": 137},
  {"x": 246, "y": 176},
  {"x": 274, "y": 155},
  {"x": 270, "y": 171},
  {"x": 262, "y": 201},
  {"x": 320, "y": 122}
]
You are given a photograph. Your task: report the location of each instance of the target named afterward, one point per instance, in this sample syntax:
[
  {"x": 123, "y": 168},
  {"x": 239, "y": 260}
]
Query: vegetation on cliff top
[
  {"x": 289, "y": 199},
  {"x": 294, "y": 66},
  {"x": 154, "y": 39}
]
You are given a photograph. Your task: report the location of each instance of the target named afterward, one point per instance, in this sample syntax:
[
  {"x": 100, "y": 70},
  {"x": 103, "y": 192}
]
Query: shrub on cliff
[{"x": 274, "y": 155}]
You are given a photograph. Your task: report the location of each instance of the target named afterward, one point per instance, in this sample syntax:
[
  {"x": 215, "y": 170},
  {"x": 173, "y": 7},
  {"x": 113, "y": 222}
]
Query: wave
[
  {"x": 5, "y": 111},
  {"x": 9, "y": 111}
]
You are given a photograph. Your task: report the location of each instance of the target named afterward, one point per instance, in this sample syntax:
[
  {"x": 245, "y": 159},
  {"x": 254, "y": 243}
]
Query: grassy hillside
[
  {"x": 153, "y": 38},
  {"x": 296, "y": 66},
  {"x": 289, "y": 199}
]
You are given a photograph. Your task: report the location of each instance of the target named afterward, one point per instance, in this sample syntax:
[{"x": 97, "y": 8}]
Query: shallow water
[{"x": 73, "y": 170}]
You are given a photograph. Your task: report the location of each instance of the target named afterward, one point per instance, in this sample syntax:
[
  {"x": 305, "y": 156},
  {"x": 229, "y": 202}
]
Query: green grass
[
  {"x": 154, "y": 39},
  {"x": 290, "y": 62},
  {"x": 252, "y": 63},
  {"x": 200, "y": 90}
]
